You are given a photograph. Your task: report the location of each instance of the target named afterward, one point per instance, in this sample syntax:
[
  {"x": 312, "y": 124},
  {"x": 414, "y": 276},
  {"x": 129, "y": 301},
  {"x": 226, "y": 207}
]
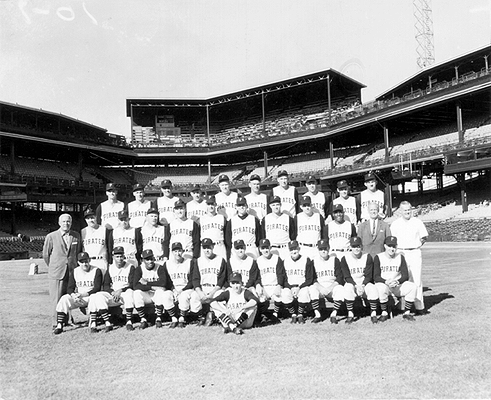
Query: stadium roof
[
  {"x": 243, "y": 94},
  {"x": 447, "y": 68}
]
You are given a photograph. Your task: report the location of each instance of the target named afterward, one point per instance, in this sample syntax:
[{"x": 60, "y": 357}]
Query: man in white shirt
[
  {"x": 320, "y": 201},
  {"x": 371, "y": 195},
  {"x": 288, "y": 195},
  {"x": 137, "y": 209},
  {"x": 226, "y": 199},
  {"x": 196, "y": 208},
  {"x": 348, "y": 202},
  {"x": 257, "y": 201},
  {"x": 165, "y": 204},
  {"x": 107, "y": 212}
]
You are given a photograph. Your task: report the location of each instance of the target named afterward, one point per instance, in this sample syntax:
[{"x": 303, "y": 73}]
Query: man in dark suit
[
  {"x": 60, "y": 255},
  {"x": 373, "y": 232}
]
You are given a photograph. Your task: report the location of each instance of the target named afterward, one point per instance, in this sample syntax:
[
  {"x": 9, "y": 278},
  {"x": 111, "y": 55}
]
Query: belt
[
  {"x": 339, "y": 250},
  {"x": 207, "y": 285},
  {"x": 413, "y": 248},
  {"x": 306, "y": 244},
  {"x": 218, "y": 241},
  {"x": 251, "y": 244},
  {"x": 97, "y": 258},
  {"x": 159, "y": 258},
  {"x": 294, "y": 285},
  {"x": 279, "y": 246}
]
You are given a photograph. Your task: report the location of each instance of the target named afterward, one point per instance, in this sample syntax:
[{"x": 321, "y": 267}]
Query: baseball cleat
[
  {"x": 130, "y": 327},
  {"x": 173, "y": 325},
  {"x": 383, "y": 318},
  {"x": 408, "y": 317},
  {"x": 108, "y": 328},
  {"x": 294, "y": 320},
  {"x": 226, "y": 330},
  {"x": 57, "y": 331},
  {"x": 158, "y": 323},
  {"x": 209, "y": 319},
  {"x": 274, "y": 319},
  {"x": 201, "y": 321},
  {"x": 144, "y": 325},
  {"x": 374, "y": 319},
  {"x": 93, "y": 330},
  {"x": 181, "y": 324},
  {"x": 334, "y": 320},
  {"x": 349, "y": 320},
  {"x": 300, "y": 319},
  {"x": 238, "y": 331},
  {"x": 316, "y": 320}
]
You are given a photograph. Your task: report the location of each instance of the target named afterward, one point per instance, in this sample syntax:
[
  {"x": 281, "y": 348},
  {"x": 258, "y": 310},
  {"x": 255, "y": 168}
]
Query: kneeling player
[
  {"x": 236, "y": 306},
  {"x": 84, "y": 283},
  {"x": 391, "y": 276},
  {"x": 329, "y": 282},
  {"x": 358, "y": 274},
  {"x": 152, "y": 285}
]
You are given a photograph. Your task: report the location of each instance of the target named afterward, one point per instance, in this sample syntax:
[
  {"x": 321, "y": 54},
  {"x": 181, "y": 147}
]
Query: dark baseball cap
[
  {"x": 210, "y": 200},
  {"x": 241, "y": 201},
  {"x": 146, "y": 254},
  {"x": 179, "y": 204},
  {"x": 323, "y": 244},
  {"x": 390, "y": 241},
  {"x": 264, "y": 243},
  {"x": 355, "y": 241},
  {"x": 89, "y": 212},
  {"x": 337, "y": 208},
  {"x": 275, "y": 199},
  {"x": 342, "y": 184},
  {"x": 118, "y": 250},
  {"x": 207, "y": 242},
  {"x": 305, "y": 201},
  {"x": 138, "y": 186},
  {"x": 370, "y": 177},
  {"x": 282, "y": 173},
  {"x": 239, "y": 243},
  {"x": 236, "y": 277},
  {"x": 176, "y": 246},
  {"x": 196, "y": 188},
  {"x": 166, "y": 184},
  {"x": 255, "y": 177},
  {"x": 123, "y": 214},
  {"x": 223, "y": 178},
  {"x": 311, "y": 179},
  {"x": 152, "y": 210},
  {"x": 83, "y": 256},
  {"x": 111, "y": 186},
  {"x": 293, "y": 245}
]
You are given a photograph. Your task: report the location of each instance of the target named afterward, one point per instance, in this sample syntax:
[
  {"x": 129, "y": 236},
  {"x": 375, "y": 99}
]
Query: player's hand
[
  {"x": 277, "y": 291},
  {"x": 117, "y": 296},
  {"x": 360, "y": 290},
  {"x": 392, "y": 283},
  {"x": 143, "y": 281},
  {"x": 295, "y": 291}
]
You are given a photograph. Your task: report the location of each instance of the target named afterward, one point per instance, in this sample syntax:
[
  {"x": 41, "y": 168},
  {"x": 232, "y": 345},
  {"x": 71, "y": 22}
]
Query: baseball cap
[
  {"x": 111, "y": 186},
  {"x": 176, "y": 246},
  {"x": 241, "y": 201},
  {"x": 264, "y": 243},
  {"x": 166, "y": 184},
  {"x": 88, "y": 212},
  {"x": 355, "y": 241},
  {"x": 305, "y": 201},
  {"x": 123, "y": 214},
  {"x": 207, "y": 242},
  {"x": 210, "y": 199},
  {"x": 311, "y": 179},
  {"x": 179, "y": 204},
  {"x": 146, "y": 254},
  {"x": 293, "y": 245},
  {"x": 83, "y": 256},
  {"x": 275, "y": 199},
  {"x": 342, "y": 184},
  {"x": 282, "y": 173},
  {"x": 152, "y": 210},
  {"x": 239, "y": 243},
  {"x": 236, "y": 277},
  {"x": 223, "y": 178},
  {"x": 196, "y": 188},
  {"x": 255, "y": 177},
  {"x": 369, "y": 177},
  {"x": 323, "y": 244},
  {"x": 118, "y": 250},
  {"x": 138, "y": 186},
  {"x": 337, "y": 208},
  {"x": 391, "y": 241}
]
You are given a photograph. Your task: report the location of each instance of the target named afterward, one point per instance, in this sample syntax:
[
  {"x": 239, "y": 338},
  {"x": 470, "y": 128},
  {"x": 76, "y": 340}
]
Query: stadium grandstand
[{"x": 428, "y": 139}]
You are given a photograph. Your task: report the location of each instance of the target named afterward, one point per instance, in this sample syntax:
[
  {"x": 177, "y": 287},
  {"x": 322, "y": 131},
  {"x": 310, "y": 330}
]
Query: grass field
[{"x": 444, "y": 354}]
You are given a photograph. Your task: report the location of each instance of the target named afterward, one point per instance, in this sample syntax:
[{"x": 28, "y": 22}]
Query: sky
[{"x": 84, "y": 58}]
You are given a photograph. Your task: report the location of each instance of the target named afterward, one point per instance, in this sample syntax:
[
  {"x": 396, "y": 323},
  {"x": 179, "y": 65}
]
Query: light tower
[{"x": 424, "y": 33}]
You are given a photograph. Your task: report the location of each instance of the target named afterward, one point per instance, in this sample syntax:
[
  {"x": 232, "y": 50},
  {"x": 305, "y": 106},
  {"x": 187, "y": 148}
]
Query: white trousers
[{"x": 414, "y": 265}]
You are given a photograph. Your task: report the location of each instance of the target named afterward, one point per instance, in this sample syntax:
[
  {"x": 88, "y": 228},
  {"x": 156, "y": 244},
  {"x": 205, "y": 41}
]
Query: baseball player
[
  {"x": 310, "y": 228},
  {"x": 391, "y": 276},
  {"x": 279, "y": 228},
  {"x": 373, "y": 231},
  {"x": 370, "y": 195},
  {"x": 180, "y": 272},
  {"x": 243, "y": 226},
  {"x": 257, "y": 201},
  {"x": 272, "y": 280},
  {"x": 118, "y": 285},
  {"x": 411, "y": 235},
  {"x": 107, "y": 212},
  {"x": 137, "y": 209},
  {"x": 300, "y": 275},
  {"x": 287, "y": 193},
  {"x": 236, "y": 306},
  {"x": 126, "y": 237},
  {"x": 209, "y": 276},
  {"x": 84, "y": 282},
  {"x": 95, "y": 239},
  {"x": 339, "y": 231},
  {"x": 152, "y": 285},
  {"x": 152, "y": 236},
  {"x": 329, "y": 282},
  {"x": 357, "y": 268},
  {"x": 242, "y": 263},
  {"x": 226, "y": 199},
  {"x": 185, "y": 231},
  {"x": 213, "y": 227},
  {"x": 348, "y": 202},
  {"x": 320, "y": 201},
  {"x": 196, "y": 208},
  {"x": 165, "y": 203}
]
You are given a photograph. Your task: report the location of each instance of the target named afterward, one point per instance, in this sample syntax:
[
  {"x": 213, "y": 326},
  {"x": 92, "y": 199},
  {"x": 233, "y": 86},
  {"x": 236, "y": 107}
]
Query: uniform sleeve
[
  {"x": 138, "y": 244},
  {"x": 346, "y": 273},
  {"x": 323, "y": 232},
  {"x": 263, "y": 227},
  {"x": 227, "y": 236},
  {"x": 353, "y": 230},
  {"x": 107, "y": 282},
  {"x": 131, "y": 278},
  {"x": 327, "y": 204},
  {"x": 259, "y": 235},
  {"x": 97, "y": 282},
  {"x": 280, "y": 272},
  {"x": 404, "y": 272},
  {"x": 196, "y": 239},
  {"x": 368, "y": 272},
  {"x": 109, "y": 245},
  {"x": 377, "y": 273},
  {"x": 228, "y": 273},
  {"x": 293, "y": 229},
  {"x": 248, "y": 295},
  {"x": 47, "y": 248},
  {"x": 98, "y": 215},
  {"x": 222, "y": 274},
  {"x": 189, "y": 285},
  {"x": 254, "y": 276},
  {"x": 338, "y": 273},
  {"x": 166, "y": 241},
  {"x": 136, "y": 281},
  {"x": 196, "y": 277},
  {"x": 297, "y": 202},
  {"x": 164, "y": 278},
  {"x": 224, "y": 296},
  {"x": 358, "y": 207},
  {"x": 309, "y": 274}
]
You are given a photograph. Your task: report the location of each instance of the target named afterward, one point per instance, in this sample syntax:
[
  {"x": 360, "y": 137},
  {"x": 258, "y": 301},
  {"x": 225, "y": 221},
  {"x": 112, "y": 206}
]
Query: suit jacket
[
  {"x": 373, "y": 245},
  {"x": 57, "y": 256}
]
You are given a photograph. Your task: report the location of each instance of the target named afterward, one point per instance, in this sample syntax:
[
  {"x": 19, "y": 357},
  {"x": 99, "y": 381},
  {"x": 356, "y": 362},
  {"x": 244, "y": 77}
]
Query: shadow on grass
[{"x": 434, "y": 299}]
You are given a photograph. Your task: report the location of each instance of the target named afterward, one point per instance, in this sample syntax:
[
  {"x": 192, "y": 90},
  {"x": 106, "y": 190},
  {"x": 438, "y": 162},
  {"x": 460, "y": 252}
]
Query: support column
[
  {"x": 265, "y": 158},
  {"x": 264, "y": 114},
  {"x": 386, "y": 142},
  {"x": 208, "y": 131},
  {"x": 209, "y": 170},
  {"x": 80, "y": 165},
  {"x": 439, "y": 181},
  {"x": 420, "y": 185},
  {"x": 463, "y": 193},
  {"x": 459, "y": 122},
  {"x": 388, "y": 196},
  {"x": 329, "y": 111},
  {"x": 331, "y": 154},
  {"x": 12, "y": 158}
]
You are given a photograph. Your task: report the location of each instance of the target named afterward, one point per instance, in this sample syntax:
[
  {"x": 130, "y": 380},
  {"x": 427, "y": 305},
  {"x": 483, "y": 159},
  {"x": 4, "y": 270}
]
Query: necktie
[
  {"x": 65, "y": 239},
  {"x": 374, "y": 223}
]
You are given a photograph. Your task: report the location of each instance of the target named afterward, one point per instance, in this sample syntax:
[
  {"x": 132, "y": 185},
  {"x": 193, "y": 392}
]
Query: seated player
[
  {"x": 243, "y": 264},
  {"x": 84, "y": 283},
  {"x": 118, "y": 284},
  {"x": 279, "y": 228},
  {"x": 329, "y": 281},
  {"x": 209, "y": 277},
  {"x": 339, "y": 231},
  {"x": 357, "y": 269},
  {"x": 236, "y": 307},
  {"x": 391, "y": 277},
  {"x": 179, "y": 270},
  {"x": 300, "y": 275},
  {"x": 152, "y": 285},
  {"x": 310, "y": 228}
]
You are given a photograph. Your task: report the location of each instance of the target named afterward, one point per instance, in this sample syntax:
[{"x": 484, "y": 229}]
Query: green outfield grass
[{"x": 444, "y": 354}]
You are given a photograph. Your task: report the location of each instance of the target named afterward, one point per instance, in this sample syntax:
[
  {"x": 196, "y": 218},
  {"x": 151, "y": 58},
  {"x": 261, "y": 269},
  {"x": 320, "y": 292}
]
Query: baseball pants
[
  {"x": 334, "y": 290},
  {"x": 406, "y": 290},
  {"x": 303, "y": 295},
  {"x": 281, "y": 251},
  {"x": 371, "y": 292},
  {"x": 126, "y": 300},
  {"x": 269, "y": 293},
  {"x": 188, "y": 300},
  {"x": 159, "y": 297},
  {"x": 307, "y": 251},
  {"x": 67, "y": 303},
  {"x": 414, "y": 265}
]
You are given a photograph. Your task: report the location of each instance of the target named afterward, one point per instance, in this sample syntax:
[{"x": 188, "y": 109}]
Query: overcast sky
[{"x": 85, "y": 58}]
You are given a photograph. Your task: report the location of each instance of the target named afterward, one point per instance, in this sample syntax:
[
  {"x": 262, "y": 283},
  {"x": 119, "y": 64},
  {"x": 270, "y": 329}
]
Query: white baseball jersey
[
  {"x": 390, "y": 267},
  {"x": 165, "y": 206},
  {"x": 277, "y": 228},
  {"x": 244, "y": 229},
  {"x": 339, "y": 235},
  {"x": 120, "y": 276},
  {"x": 151, "y": 275},
  {"x": 258, "y": 204},
  {"x": 182, "y": 231},
  {"x": 226, "y": 204},
  {"x": 109, "y": 213},
  {"x": 288, "y": 203},
  {"x": 318, "y": 202},
  {"x": 367, "y": 197},
  {"x": 179, "y": 272},
  {"x": 195, "y": 210},
  {"x": 209, "y": 269},
  {"x": 308, "y": 228},
  {"x": 242, "y": 266},
  {"x": 236, "y": 300},
  {"x": 267, "y": 269},
  {"x": 94, "y": 242},
  {"x": 153, "y": 239},
  {"x": 325, "y": 270},
  {"x": 408, "y": 232},
  {"x": 137, "y": 212},
  {"x": 213, "y": 227},
  {"x": 295, "y": 270},
  {"x": 357, "y": 267},
  {"x": 84, "y": 280},
  {"x": 126, "y": 239},
  {"x": 349, "y": 207}
]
